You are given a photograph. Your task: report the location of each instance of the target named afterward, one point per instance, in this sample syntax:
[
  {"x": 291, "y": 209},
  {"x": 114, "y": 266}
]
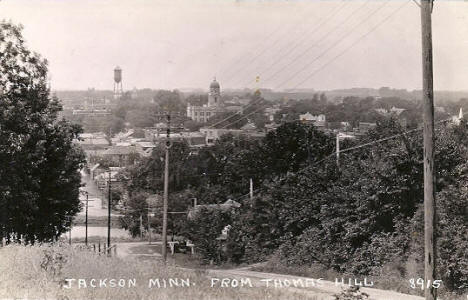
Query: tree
[
  {"x": 204, "y": 229},
  {"x": 39, "y": 178},
  {"x": 135, "y": 208}
]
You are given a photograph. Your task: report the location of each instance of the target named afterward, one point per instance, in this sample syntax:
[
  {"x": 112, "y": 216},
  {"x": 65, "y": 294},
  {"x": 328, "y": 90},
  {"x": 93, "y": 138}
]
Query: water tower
[{"x": 118, "y": 90}]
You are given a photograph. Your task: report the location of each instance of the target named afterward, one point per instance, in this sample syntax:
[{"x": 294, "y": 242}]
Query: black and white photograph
[{"x": 234, "y": 149}]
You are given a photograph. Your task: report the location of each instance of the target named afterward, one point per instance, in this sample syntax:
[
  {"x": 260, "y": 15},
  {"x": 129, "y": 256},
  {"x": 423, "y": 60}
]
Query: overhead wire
[
  {"x": 346, "y": 49},
  {"x": 265, "y": 49},
  {"x": 306, "y": 34},
  {"x": 313, "y": 45},
  {"x": 333, "y": 154},
  {"x": 341, "y": 53},
  {"x": 328, "y": 49},
  {"x": 332, "y": 14},
  {"x": 258, "y": 50}
]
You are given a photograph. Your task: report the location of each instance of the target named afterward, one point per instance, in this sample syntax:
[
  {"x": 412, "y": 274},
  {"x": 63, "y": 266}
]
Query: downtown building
[{"x": 215, "y": 105}]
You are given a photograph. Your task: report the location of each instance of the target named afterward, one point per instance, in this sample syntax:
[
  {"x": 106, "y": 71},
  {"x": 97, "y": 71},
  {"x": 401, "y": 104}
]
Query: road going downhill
[{"x": 321, "y": 290}]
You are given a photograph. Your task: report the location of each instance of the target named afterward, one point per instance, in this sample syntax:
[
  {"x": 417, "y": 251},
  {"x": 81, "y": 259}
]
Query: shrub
[
  {"x": 203, "y": 229},
  {"x": 351, "y": 293}
]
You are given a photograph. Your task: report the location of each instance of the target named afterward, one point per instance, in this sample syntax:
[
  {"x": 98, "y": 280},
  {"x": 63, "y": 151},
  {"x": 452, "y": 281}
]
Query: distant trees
[
  {"x": 351, "y": 109},
  {"x": 39, "y": 177}
]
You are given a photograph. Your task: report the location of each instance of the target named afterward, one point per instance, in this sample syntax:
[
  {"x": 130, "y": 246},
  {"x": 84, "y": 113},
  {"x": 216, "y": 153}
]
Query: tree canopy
[{"x": 39, "y": 177}]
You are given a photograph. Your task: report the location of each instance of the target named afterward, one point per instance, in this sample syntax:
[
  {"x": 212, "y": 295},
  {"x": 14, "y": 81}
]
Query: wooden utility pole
[
  {"x": 109, "y": 204},
  {"x": 86, "y": 220},
  {"x": 141, "y": 226},
  {"x": 166, "y": 189},
  {"x": 338, "y": 149},
  {"x": 251, "y": 189},
  {"x": 149, "y": 224},
  {"x": 429, "y": 192},
  {"x": 69, "y": 234}
]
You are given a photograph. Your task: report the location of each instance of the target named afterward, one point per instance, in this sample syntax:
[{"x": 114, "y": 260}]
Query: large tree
[{"x": 39, "y": 176}]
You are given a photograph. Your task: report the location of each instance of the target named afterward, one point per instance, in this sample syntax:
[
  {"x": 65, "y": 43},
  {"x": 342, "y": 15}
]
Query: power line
[
  {"x": 360, "y": 23},
  {"x": 340, "y": 54},
  {"x": 353, "y": 148},
  {"x": 346, "y": 49},
  {"x": 349, "y": 16},
  {"x": 257, "y": 110},
  {"x": 313, "y": 45},
  {"x": 263, "y": 51},
  {"x": 252, "y": 102},
  {"x": 275, "y": 31},
  {"x": 323, "y": 21},
  {"x": 340, "y": 40}
]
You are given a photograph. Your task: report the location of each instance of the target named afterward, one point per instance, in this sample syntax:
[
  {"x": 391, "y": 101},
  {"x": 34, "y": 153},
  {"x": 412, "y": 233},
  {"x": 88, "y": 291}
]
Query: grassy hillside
[{"x": 34, "y": 272}]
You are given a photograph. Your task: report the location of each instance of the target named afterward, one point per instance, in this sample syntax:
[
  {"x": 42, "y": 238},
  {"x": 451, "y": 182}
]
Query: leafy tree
[
  {"x": 135, "y": 208},
  {"x": 39, "y": 178},
  {"x": 292, "y": 145},
  {"x": 204, "y": 229}
]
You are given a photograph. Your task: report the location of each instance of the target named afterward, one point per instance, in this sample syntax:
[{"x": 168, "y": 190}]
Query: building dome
[{"x": 214, "y": 84}]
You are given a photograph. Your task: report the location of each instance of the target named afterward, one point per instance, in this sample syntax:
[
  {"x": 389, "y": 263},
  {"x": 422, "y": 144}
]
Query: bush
[
  {"x": 203, "y": 229},
  {"x": 351, "y": 293}
]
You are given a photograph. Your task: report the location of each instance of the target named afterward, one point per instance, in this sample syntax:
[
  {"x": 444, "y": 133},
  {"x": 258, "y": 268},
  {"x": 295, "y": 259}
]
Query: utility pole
[
  {"x": 141, "y": 226},
  {"x": 149, "y": 226},
  {"x": 251, "y": 189},
  {"x": 166, "y": 189},
  {"x": 109, "y": 204},
  {"x": 428, "y": 112},
  {"x": 86, "y": 220},
  {"x": 338, "y": 149},
  {"x": 69, "y": 234}
]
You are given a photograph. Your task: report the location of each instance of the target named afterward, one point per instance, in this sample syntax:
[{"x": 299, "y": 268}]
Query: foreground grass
[
  {"x": 39, "y": 272},
  {"x": 389, "y": 280}
]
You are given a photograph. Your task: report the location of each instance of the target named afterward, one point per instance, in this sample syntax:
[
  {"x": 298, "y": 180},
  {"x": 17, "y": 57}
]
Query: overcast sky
[{"x": 287, "y": 44}]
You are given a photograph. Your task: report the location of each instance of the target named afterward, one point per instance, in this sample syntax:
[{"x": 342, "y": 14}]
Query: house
[
  {"x": 271, "y": 111},
  {"x": 93, "y": 143},
  {"x": 213, "y": 134},
  {"x": 226, "y": 206},
  {"x": 271, "y": 126},
  {"x": 103, "y": 176},
  {"x": 317, "y": 120},
  {"x": 250, "y": 126},
  {"x": 366, "y": 126},
  {"x": 144, "y": 148},
  {"x": 457, "y": 119},
  {"x": 120, "y": 155},
  {"x": 389, "y": 112}
]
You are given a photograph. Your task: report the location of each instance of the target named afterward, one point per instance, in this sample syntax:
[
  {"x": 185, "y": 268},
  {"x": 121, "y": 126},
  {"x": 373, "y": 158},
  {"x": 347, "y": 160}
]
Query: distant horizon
[
  {"x": 254, "y": 44},
  {"x": 240, "y": 89}
]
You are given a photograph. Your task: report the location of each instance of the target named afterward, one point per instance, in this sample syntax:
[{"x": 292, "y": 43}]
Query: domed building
[{"x": 215, "y": 105}]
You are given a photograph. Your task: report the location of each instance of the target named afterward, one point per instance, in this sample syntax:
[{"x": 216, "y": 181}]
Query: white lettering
[
  {"x": 69, "y": 281},
  {"x": 81, "y": 282},
  {"x": 246, "y": 281},
  {"x": 103, "y": 282},
  {"x": 267, "y": 281},
  {"x": 213, "y": 281},
  {"x": 153, "y": 282}
]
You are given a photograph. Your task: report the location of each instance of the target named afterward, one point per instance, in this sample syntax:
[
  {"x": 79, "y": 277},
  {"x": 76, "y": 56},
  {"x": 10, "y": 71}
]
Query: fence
[{"x": 103, "y": 249}]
